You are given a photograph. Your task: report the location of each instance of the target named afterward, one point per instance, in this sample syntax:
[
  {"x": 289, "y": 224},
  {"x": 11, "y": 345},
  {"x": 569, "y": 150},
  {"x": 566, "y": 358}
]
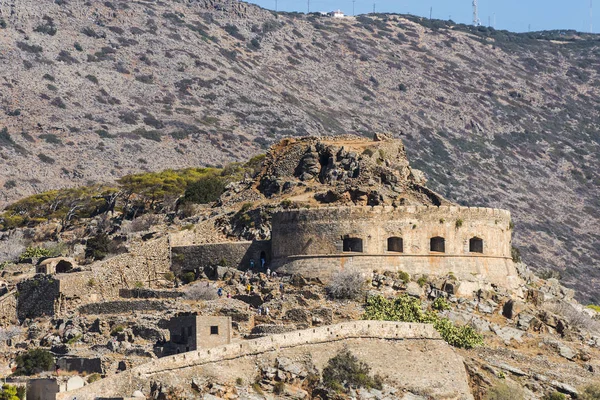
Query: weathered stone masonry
[{"x": 418, "y": 240}]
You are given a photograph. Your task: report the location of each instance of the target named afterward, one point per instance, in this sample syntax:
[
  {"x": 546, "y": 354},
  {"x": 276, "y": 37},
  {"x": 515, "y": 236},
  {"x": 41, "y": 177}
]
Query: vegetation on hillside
[
  {"x": 34, "y": 361},
  {"x": 345, "y": 371},
  {"x": 134, "y": 195},
  {"x": 409, "y": 309}
]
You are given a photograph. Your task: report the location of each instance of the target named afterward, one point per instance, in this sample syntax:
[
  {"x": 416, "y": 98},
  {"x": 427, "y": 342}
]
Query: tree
[
  {"x": 205, "y": 190},
  {"x": 97, "y": 247},
  {"x": 345, "y": 371},
  {"x": 34, "y": 361}
]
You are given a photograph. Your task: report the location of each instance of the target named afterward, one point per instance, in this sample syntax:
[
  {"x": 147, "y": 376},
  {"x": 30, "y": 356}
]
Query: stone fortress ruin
[{"x": 352, "y": 203}]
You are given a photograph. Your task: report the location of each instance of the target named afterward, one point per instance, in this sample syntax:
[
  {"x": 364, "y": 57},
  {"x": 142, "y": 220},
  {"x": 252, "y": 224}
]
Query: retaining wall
[
  {"x": 409, "y": 355},
  {"x": 233, "y": 254},
  {"x": 122, "y": 307}
]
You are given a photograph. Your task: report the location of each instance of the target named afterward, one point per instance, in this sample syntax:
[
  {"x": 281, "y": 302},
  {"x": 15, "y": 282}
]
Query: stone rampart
[
  {"x": 409, "y": 355},
  {"x": 313, "y": 241},
  {"x": 233, "y": 254}
]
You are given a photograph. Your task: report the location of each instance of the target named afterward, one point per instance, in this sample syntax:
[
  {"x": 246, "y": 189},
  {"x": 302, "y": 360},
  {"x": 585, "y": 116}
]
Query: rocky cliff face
[
  {"x": 344, "y": 170},
  {"x": 92, "y": 91}
]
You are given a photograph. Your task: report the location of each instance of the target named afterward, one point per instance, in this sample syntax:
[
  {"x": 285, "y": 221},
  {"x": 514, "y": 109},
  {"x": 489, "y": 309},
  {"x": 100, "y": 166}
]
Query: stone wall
[
  {"x": 37, "y": 297},
  {"x": 145, "y": 264},
  {"x": 233, "y": 254},
  {"x": 141, "y": 293},
  {"x": 121, "y": 307},
  {"x": 408, "y": 355},
  {"x": 8, "y": 308},
  {"x": 311, "y": 241},
  {"x": 81, "y": 364}
]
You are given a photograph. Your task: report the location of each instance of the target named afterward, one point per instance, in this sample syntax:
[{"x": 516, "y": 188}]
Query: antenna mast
[
  {"x": 591, "y": 17},
  {"x": 475, "y": 14}
]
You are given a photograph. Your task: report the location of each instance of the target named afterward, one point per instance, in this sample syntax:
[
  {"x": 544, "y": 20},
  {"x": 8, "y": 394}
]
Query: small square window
[{"x": 214, "y": 330}]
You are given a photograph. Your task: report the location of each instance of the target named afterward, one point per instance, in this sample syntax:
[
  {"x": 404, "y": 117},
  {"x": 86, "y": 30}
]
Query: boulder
[
  {"x": 413, "y": 289},
  {"x": 567, "y": 352},
  {"x": 512, "y": 308},
  {"x": 565, "y": 388},
  {"x": 287, "y": 365},
  {"x": 322, "y": 316}
]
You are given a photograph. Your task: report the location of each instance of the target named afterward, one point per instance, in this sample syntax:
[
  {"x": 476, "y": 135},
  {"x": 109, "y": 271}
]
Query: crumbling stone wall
[
  {"x": 233, "y": 254},
  {"x": 310, "y": 241},
  {"x": 36, "y": 297},
  {"x": 121, "y": 307},
  {"x": 8, "y": 308},
  {"x": 407, "y": 354},
  {"x": 145, "y": 264}
]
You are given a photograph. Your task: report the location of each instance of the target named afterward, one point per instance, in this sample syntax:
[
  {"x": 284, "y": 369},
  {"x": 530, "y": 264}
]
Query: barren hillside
[{"x": 94, "y": 90}]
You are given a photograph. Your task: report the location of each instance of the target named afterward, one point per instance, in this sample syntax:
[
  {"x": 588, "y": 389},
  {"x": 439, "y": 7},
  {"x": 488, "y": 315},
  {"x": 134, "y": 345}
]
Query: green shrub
[
  {"x": 10, "y": 392},
  {"x": 92, "y": 79},
  {"x": 422, "y": 281},
  {"x": 279, "y": 387},
  {"x": 138, "y": 285},
  {"x": 404, "y": 276},
  {"x": 554, "y": 396},
  {"x": 188, "y": 277},
  {"x": 170, "y": 276},
  {"x": 408, "y": 309},
  {"x": 459, "y": 222},
  {"x": 74, "y": 339},
  {"x": 594, "y": 307},
  {"x": 515, "y": 254},
  {"x": 94, "y": 377},
  {"x": 34, "y": 361},
  {"x": 97, "y": 247},
  {"x": 590, "y": 392},
  {"x": 45, "y": 159},
  {"x": 503, "y": 391},
  {"x": 116, "y": 330},
  {"x": 345, "y": 371},
  {"x": 34, "y": 252},
  {"x": 205, "y": 190},
  {"x": 440, "y": 304}
]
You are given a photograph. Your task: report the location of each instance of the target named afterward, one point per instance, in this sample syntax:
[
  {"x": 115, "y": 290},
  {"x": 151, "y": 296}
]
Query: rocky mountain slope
[{"x": 94, "y": 90}]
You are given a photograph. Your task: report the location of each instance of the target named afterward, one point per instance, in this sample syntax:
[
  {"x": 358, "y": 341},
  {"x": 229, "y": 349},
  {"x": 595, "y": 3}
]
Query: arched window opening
[
  {"x": 476, "y": 245},
  {"x": 353, "y": 245},
  {"x": 395, "y": 244},
  {"x": 437, "y": 244}
]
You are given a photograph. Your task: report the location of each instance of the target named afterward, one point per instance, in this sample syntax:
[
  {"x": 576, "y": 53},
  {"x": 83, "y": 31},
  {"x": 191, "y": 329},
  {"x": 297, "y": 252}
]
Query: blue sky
[{"x": 513, "y": 15}]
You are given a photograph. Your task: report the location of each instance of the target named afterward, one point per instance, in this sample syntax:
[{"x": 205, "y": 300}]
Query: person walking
[{"x": 220, "y": 292}]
